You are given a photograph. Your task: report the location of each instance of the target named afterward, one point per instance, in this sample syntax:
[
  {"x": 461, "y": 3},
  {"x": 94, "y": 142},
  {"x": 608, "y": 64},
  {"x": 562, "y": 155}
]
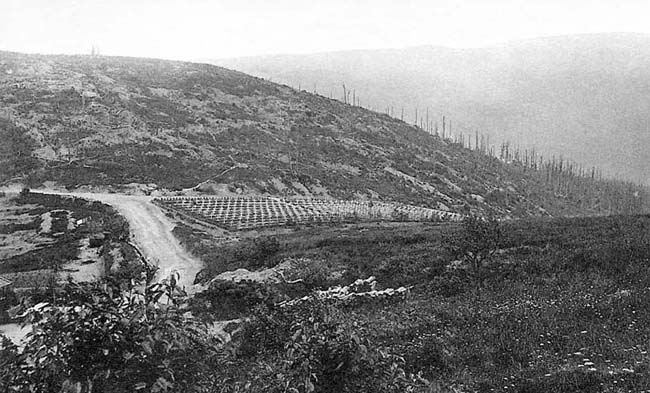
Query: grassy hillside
[
  {"x": 584, "y": 97},
  {"x": 80, "y": 120},
  {"x": 559, "y": 307}
]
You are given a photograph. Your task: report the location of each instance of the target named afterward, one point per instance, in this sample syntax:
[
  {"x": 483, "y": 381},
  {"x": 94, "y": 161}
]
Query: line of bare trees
[{"x": 586, "y": 186}]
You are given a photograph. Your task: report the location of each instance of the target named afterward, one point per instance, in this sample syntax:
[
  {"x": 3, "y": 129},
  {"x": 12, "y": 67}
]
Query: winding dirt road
[{"x": 151, "y": 230}]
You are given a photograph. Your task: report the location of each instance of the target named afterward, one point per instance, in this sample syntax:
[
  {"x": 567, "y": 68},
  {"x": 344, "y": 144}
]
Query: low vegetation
[
  {"x": 554, "y": 305},
  {"x": 249, "y": 253},
  {"x": 47, "y": 247},
  {"x": 96, "y": 218},
  {"x": 102, "y": 337}
]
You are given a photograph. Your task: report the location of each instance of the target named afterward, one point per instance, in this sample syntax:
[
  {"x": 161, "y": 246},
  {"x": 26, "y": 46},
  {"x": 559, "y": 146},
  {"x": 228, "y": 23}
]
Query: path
[{"x": 151, "y": 230}]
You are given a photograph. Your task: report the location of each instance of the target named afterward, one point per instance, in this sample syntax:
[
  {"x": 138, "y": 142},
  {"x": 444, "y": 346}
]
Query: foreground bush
[
  {"x": 104, "y": 337},
  {"x": 313, "y": 347},
  {"x": 100, "y": 337},
  {"x": 226, "y": 300}
]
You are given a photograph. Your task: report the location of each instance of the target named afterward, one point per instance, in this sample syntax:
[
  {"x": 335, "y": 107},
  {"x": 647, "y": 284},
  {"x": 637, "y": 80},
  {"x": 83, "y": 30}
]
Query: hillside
[
  {"x": 102, "y": 121},
  {"x": 584, "y": 97}
]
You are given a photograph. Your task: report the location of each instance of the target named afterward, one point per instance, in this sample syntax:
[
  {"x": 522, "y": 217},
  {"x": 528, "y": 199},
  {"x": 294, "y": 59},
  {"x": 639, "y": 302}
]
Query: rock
[{"x": 477, "y": 198}]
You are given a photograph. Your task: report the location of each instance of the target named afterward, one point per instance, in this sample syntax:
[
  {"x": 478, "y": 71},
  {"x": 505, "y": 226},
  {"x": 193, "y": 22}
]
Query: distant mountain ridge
[
  {"x": 109, "y": 121},
  {"x": 586, "y": 97}
]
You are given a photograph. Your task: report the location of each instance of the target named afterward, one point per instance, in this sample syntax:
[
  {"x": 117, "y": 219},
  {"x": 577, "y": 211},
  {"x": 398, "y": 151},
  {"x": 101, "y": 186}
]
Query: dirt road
[{"x": 151, "y": 230}]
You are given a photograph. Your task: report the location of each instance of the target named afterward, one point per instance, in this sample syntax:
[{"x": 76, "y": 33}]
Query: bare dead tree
[
  {"x": 427, "y": 119},
  {"x": 443, "y": 126}
]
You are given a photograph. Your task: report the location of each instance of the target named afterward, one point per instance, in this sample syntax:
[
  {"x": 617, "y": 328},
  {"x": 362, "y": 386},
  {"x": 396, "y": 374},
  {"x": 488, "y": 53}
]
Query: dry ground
[{"x": 151, "y": 231}]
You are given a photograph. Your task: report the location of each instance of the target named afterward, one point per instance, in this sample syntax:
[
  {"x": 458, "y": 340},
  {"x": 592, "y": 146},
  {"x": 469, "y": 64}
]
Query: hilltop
[
  {"x": 108, "y": 121},
  {"x": 582, "y": 96}
]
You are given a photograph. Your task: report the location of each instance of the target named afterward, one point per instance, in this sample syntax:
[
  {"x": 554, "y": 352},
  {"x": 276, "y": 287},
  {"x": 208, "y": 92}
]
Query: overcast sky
[{"x": 199, "y": 29}]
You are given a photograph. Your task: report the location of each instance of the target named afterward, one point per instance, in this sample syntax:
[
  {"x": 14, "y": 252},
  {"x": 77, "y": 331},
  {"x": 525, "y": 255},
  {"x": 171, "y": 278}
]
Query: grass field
[{"x": 562, "y": 306}]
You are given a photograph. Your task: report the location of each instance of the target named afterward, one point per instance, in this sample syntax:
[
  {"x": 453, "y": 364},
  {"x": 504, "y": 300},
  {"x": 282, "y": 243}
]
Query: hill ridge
[
  {"x": 101, "y": 121},
  {"x": 581, "y": 96}
]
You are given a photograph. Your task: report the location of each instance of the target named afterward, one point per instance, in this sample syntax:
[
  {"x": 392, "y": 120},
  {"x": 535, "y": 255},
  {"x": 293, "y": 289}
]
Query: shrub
[
  {"x": 249, "y": 254},
  {"x": 312, "y": 274},
  {"x": 226, "y": 300},
  {"x": 565, "y": 382},
  {"x": 7, "y": 300},
  {"x": 11, "y": 374},
  {"x": 313, "y": 347},
  {"x": 262, "y": 252},
  {"x": 448, "y": 285},
  {"x": 476, "y": 244},
  {"x": 100, "y": 338}
]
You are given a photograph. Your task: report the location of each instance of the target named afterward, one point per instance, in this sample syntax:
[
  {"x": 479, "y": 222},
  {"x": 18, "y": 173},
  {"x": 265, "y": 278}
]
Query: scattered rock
[
  {"x": 477, "y": 198},
  {"x": 46, "y": 222},
  {"x": 267, "y": 275}
]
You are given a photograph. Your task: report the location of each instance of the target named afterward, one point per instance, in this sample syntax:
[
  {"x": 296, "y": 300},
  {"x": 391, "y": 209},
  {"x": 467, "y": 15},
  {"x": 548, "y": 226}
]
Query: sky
[{"x": 201, "y": 29}]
